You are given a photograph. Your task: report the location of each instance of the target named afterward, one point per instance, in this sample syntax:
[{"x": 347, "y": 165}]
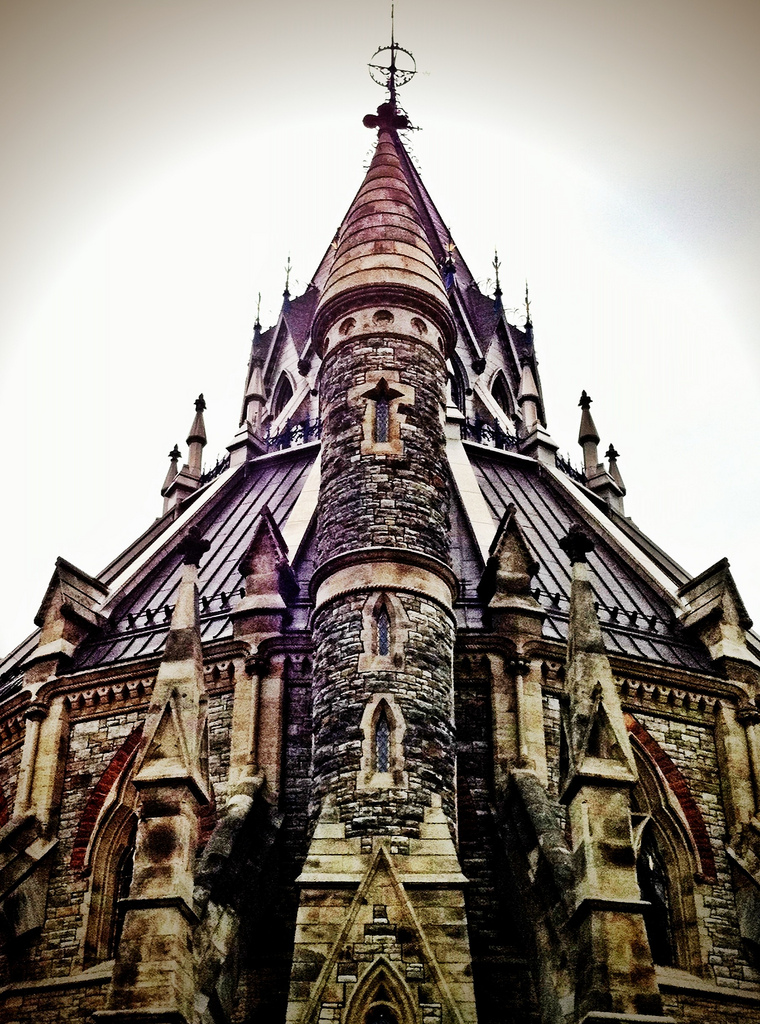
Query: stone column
[{"x": 153, "y": 979}]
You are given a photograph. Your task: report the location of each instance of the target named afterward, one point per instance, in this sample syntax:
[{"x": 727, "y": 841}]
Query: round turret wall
[{"x": 383, "y": 624}]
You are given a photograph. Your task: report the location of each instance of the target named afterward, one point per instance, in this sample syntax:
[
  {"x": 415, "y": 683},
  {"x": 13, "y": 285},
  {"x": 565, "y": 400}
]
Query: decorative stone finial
[
  {"x": 576, "y": 544},
  {"x": 193, "y": 546},
  {"x": 175, "y": 454}
]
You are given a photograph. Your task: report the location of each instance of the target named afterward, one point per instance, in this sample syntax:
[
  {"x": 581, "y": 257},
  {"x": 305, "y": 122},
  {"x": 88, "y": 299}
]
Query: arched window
[
  {"x": 282, "y": 395},
  {"x": 383, "y": 632},
  {"x": 673, "y": 853},
  {"x": 381, "y": 419},
  {"x": 382, "y": 741},
  {"x": 500, "y": 392},
  {"x": 112, "y": 860},
  {"x": 382, "y": 759},
  {"x": 653, "y": 881},
  {"x": 122, "y": 883}
]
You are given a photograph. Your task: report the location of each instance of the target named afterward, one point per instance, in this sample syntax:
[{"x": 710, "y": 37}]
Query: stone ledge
[
  {"x": 98, "y": 975},
  {"x": 670, "y": 979}
]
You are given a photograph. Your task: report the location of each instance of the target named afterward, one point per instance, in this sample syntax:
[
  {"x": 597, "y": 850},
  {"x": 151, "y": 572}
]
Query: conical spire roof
[{"x": 382, "y": 246}]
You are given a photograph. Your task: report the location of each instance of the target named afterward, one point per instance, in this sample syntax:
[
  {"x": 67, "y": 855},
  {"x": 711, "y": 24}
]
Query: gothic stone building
[{"x": 393, "y": 717}]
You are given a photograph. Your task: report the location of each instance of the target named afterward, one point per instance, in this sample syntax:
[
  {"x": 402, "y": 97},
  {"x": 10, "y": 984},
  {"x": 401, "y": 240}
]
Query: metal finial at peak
[
  {"x": 391, "y": 67},
  {"x": 497, "y": 293},
  {"x": 528, "y": 322},
  {"x": 288, "y": 268},
  {"x": 585, "y": 401},
  {"x": 175, "y": 454},
  {"x": 257, "y": 321},
  {"x": 611, "y": 453},
  {"x": 200, "y": 403}
]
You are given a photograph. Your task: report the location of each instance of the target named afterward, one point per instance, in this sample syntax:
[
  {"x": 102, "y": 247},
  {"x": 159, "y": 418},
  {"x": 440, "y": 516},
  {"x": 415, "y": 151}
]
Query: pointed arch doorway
[{"x": 381, "y": 997}]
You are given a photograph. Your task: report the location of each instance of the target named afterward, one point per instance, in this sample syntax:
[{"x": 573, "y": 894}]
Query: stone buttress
[{"x": 381, "y": 896}]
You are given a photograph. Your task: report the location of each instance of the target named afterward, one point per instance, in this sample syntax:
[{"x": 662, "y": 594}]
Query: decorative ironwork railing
[
  {"x": 222, "y": 463},
  {"x": 490, "y": 434},
  {"x": 569, "y": 469},
  {"x": 294, "y": 434}
]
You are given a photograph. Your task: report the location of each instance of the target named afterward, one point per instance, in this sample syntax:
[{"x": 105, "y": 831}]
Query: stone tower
[
  {"x": 393, "y": 716},
  {"x": 384, "y": 760}
]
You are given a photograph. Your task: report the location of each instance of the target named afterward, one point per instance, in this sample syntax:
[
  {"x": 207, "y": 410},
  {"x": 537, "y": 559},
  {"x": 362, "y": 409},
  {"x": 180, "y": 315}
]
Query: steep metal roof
[
  {"x": 139, "y": 623},
  {"x": 636, "y": 620}
]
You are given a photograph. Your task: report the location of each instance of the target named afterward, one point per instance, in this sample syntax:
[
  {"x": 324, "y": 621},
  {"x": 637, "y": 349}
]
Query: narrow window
[
  {"x": 381, "y": 419},
  {"x": 123, "y": 881},
  {"x": 500, "y": 392},
  {"x": 282, "y": 396},
  {"x": 382, "y": 742},
  {"x": 383, "y": 632},
  {"x": 653, "y": 882}
]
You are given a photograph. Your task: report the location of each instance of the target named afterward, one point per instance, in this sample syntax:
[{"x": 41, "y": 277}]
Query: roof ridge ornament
[{"x": 390, "y": 72}]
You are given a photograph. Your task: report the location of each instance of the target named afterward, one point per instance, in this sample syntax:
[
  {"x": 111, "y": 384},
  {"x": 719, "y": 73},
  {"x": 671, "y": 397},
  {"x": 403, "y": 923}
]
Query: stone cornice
[{"x": 373, "y": 568}]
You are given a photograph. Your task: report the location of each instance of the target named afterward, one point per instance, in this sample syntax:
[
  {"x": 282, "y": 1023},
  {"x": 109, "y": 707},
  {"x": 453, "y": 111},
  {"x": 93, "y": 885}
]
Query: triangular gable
[
  {"x": 72, "y": 593},
  {"x": 381, "y": 907}
]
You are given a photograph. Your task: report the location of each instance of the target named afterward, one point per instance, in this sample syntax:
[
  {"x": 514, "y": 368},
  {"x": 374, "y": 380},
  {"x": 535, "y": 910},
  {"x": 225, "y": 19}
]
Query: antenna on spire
[
  {"x": 497, "y": 303},
  {"x": 257, "y": 323},
  {"x": 391, "y": 67},
  {"x": 286, "y": 293},
  {"x": 528, "y": 321}
]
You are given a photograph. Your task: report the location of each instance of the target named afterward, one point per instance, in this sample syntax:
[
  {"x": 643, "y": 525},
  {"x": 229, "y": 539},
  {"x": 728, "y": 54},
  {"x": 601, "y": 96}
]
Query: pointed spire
[
  {"x": 197, "y": 438},
  {"x": 286, "y": 292},
  {"x": 383, "y": 250},
  {"x": 174, "y": 455},
  {"x": 588, "y": 437},
  {"x": 612, "y": 457},
  {"x": 498, "y": 305}
]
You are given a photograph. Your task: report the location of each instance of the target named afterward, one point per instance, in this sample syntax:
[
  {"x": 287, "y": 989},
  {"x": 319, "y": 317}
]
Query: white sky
[{"x": 161, "y": 159}]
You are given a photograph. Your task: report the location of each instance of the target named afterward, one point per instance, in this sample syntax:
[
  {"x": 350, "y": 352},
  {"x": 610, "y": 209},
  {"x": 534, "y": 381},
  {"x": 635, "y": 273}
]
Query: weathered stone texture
[
  {"x": 498, "y": 940},
  {"x": 692, "y": 748},
  {"x": 376, "y": 500},
  {"x": 9, "y": 767},
  {"x": 423, "y": 689}
]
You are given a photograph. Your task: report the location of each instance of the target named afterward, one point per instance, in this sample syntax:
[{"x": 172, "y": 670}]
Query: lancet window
[
  {"x": 382, "y": 741},
  {"x": 383, "y": 632},
  {"x": 653, "y": 882},
  {"x": 381, "y": 419}
]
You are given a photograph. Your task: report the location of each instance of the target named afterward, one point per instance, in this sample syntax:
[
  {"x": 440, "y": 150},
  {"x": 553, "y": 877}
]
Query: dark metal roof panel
[
  {"x": 140, "y": 622},
  {"x": 635, "y": 619}
]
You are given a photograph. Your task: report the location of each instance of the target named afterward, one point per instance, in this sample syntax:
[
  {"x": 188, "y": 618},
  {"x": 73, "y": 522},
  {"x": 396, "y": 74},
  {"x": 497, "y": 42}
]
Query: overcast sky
[{"x": 162, "y": 158}]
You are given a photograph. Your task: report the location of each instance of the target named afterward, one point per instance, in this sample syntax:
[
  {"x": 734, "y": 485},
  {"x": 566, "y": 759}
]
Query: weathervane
[{"x": 391, "y": 67}]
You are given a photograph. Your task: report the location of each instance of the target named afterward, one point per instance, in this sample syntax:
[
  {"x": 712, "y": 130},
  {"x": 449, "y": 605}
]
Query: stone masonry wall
[
  {"x": 423, "y": 690},
  {"x": 58, "y": 951},
  {"x": 498, "y": 941},
  {"x": 9, "y": 766},
  {"x": 379, "y": 500},
  {"x": 692, "y": 748}
]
